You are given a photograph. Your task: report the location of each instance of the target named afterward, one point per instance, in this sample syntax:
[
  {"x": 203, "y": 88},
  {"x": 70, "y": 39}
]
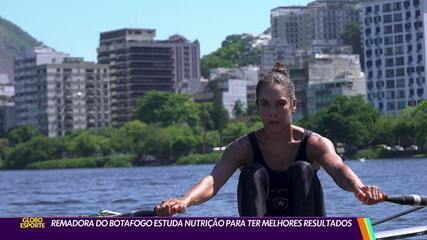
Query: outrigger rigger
[{"x": 420, "y": 202}]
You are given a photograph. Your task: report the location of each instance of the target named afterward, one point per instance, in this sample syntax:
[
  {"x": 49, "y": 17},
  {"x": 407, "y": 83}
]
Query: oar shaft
[
  {"x": 412, "y": 199},
  {"x": 138, "y": 213},
  {"x": 396, "y": 215}
]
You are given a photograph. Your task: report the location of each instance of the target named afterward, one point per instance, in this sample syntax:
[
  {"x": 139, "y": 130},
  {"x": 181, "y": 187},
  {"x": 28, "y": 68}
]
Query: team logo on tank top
[
  {"x": 279, "y": 198},
  {"x": 280, "y": 203}
]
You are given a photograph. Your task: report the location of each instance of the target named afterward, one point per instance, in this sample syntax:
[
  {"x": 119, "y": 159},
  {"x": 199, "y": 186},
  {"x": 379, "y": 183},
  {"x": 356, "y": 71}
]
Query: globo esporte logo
[{"x": 32, "y": 222}]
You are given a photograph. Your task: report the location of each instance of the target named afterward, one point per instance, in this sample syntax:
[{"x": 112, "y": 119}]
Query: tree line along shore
[{"x": 171, "y": 128}]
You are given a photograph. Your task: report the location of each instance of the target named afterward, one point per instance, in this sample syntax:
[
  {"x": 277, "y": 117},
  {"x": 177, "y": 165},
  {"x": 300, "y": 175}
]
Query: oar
[
  {"x": 379, "y": 221},
  {"x": 411, "y": 199},
  {"x": 135, "y": 213}
]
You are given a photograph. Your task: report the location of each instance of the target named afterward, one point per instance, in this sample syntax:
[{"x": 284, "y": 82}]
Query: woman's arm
[
  {"x": 323, "y": 151},
  {"x": 235, "y": 155}
]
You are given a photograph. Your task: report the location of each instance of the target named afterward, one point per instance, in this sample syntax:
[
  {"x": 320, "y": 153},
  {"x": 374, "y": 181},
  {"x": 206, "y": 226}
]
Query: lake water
[{"x": 72, "y": 192}]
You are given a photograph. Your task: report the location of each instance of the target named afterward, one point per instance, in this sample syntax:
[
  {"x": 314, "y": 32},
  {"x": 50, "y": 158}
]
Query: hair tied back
[{"x": 280, "y": 68}]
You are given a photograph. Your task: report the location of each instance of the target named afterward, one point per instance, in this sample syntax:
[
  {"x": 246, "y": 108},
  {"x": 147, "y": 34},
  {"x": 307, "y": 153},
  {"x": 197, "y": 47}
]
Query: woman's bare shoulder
[{"x": 239, "y": 150}]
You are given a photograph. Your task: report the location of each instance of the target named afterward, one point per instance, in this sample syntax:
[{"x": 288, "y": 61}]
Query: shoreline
[{"x": 156, "y": 163}]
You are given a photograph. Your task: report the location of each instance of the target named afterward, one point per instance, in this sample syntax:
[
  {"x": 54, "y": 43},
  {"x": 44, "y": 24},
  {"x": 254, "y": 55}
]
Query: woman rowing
[{"x": 278, "y": 163}]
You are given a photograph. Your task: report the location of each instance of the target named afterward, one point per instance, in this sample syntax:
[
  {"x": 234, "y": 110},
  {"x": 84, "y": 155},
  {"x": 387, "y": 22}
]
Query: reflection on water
[{"x": 81, "y": 191}]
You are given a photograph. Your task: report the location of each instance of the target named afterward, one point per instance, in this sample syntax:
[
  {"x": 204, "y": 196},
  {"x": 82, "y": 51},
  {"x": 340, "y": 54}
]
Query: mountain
[
  {"x": 13, "y": 42},
  {"x": 236, "y": 50}
]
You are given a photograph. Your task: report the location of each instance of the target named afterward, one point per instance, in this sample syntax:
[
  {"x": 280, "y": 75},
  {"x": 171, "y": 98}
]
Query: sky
[{"x": 73, "y": 26}]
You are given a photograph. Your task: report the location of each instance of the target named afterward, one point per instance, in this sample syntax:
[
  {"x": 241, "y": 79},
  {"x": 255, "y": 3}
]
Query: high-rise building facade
[
  {"x": 7, "y": 104},
  {"x": 305, "y": 30},
  {"x": 58, "y": 94},
  {"x": 319, "y": 22},
  {"x": 26, "y": 83},
  {"x": 138, "y": 64},
  {"x": 395, "y": 52},
  {"x": 72, "y": 95}
]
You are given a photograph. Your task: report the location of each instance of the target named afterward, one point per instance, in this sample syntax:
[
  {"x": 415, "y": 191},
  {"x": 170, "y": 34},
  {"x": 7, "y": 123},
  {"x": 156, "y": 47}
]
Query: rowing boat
[{"x": 420, "y": 202}]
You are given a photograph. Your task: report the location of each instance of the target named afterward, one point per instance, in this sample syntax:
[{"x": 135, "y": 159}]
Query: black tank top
[{"x": 278, "y": 193}]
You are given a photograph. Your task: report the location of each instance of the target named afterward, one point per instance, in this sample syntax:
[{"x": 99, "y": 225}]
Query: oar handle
[{"x": 410, "y": 199}]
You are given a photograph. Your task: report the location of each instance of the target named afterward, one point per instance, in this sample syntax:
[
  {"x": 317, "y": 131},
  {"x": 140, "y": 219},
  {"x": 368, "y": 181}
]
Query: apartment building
[
  {"x": 395, "y": 53},
  {"x": 139, "y": 63}
]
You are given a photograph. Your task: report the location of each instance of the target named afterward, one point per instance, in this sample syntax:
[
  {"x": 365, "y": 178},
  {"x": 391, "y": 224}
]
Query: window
[
  {"x": 401, "y": 104},
  {"x": 410, "y": 59},
  {"x": 397, "y": 17},
  {"x": 389, "y": 62},
  {"x": 389, "y": 73},
  {"x": 377, "y": 8},
  {"x": 400, "y": 61},
  {"x": 391, "y": 106},
  {"x": 389, "y": 51},
  {"x": 388, "y": 29},
  {"x": 390, "y": 84},
  {"x": 398, "y": 39},
  {"x": 406, "y": 4},
  {"x": 418, "y": 24},
  {"x": 391, "y": 95},
  {"x": 386, "y": 7},
  {"x": 399, "y": 50},
  {"x": 398, "y": 28},
  {"x": 400, "y": 72},
  {"x": 388, "y": 40},
  {"x": 400, "y": 82},
  {"x": 387, "y": 18},
  {"x": 408, "y": 37},
  {"x": 397, "y": 6}
]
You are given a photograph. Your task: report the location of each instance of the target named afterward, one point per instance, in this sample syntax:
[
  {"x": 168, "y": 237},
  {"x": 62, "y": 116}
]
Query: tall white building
[
  {"x": 26, "y": 83},
  {"x": 7, "y": 104},
  {"x": 72, "y": 95},
  {"x": 395, "y": 52},
  {"x": 58, "y": 94}
]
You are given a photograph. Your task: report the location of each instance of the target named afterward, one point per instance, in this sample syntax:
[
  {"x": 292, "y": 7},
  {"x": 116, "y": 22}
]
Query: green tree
[
  {"x": 348, "y": 120},
  {"x": 219, "y": 113},
  {"x": 182, "y": 141},
  {"x": 352, "y": 36},
  {"x": 251, "y": 109},
  {"x": 131, "y": 137},
  {"x": 39, "y": 148},
  {"x": 22, "y": 134},
  {"x": 233, "y": 131},
  {"x": 384, "y": 130},
  {"x": 206, "y": 115},
  {"x": 86, "y": 145},
  {"x": 167, "y": 108},
  {"x": 238, "y": 110},
  {"x": 419, "y": 117}
]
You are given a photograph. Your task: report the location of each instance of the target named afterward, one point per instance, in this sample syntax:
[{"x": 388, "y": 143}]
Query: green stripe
[{"x": 370, "y": 229}]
